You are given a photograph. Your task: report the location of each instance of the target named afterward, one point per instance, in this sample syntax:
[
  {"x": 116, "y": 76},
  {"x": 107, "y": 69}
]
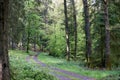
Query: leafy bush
[{"x": 56, "y": 44}]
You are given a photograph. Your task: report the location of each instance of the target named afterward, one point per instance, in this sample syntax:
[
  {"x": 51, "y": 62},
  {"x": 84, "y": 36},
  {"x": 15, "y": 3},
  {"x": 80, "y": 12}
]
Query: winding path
[{"x": 54, "y": 71}]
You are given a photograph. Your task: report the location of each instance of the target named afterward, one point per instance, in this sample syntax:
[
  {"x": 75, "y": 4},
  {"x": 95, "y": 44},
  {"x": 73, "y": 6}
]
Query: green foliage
[
  {"x": 15, "y": 20},
  {"x": 75, "y": 66},
  {"x": 23, "y": 70},
  {"x": 98, "y": 33},
  {"x": 56, "y": 44},
  {"x": 43, "y": 21},
  {"x": 115, "y": 32}
]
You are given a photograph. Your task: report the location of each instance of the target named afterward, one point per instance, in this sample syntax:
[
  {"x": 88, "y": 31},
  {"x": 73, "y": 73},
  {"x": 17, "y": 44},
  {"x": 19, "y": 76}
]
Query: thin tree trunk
[
  {"x": 4, "y": 59},
  {"x": 75, "y": 28},
  {"x": 55, "y": 33},
  {"x": 67, "y": 31},
  {"x": 35, "y": 40},
  {"x": 87, "y": 32},
  {"x": 41, "y": 45},
  {"x": 13, "y": 45},
  {"x": 107, "y": 37},
  {"x": 28, "y": 41}
]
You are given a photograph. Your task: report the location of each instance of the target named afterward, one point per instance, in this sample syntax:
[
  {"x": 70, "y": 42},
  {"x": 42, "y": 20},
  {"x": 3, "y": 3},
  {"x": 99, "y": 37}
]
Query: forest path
[{"x": 59, "y": 73}]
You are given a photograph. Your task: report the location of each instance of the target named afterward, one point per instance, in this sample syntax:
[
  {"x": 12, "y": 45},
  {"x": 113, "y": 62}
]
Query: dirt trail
[{"x": 59, "y": 76}]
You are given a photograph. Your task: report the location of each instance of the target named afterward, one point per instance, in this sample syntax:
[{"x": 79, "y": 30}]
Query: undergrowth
[
  {"x": 76, "y": 67},
  {"x": 23, "y": 70}
]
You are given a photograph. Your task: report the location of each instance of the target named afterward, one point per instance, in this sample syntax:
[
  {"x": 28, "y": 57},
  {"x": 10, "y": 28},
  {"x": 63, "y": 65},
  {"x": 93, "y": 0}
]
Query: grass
[
  {"x": 23, "y": 70},
  {"x": 74, "y": 67}
]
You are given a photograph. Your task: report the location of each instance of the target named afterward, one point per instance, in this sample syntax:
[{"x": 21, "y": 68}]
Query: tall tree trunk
[
  {"x": 67, "y": 31},
  {"x": 75, "y": 28},
  {"x": 107, "y": 36},
  {"x": 28, "y": 40},
  {"x": 102, "y": 47},
  {"x": 4, "y": 61},
  {"x": 87, "y": 32},
  {"x": 23, "y": 41}
]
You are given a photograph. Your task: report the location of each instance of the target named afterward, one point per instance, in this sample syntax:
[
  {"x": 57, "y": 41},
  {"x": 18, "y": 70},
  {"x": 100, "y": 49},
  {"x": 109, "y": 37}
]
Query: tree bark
[
  {"x": 87, "y": 32},
  {"x": 28, "y": 39},
  {"x": 107, "y": 36},
  {"x": 4, "y": 59},
  {"x": 75, "y": 28},
  {"x": 67, "y": 31},
  {"x": 102, "y": 47}
]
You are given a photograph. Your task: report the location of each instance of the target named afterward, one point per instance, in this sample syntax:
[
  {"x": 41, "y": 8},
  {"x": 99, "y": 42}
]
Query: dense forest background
[
  {"x": 85, "y": 33},
  {"x": 39, "y": 25}
]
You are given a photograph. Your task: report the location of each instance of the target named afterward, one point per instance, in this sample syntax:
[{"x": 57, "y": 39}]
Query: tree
[
  {"x": 28, "y": 37},
  {"x": 16, "y": 22},
  {"x": 67, "y": 31},
  {"x": 4, "y": 59},
  {"x": 87, "y": 32},
  {"x": 75, "y": 28},
  {"x": 107, "y": 36},
  {"x": 98, "y": 33}
]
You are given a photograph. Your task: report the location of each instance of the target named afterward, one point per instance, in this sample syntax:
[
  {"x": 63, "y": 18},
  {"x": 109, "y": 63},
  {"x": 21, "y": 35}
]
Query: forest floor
[
  {"x": 60, "y": 73},
  {"x": 25, "y": 67}
]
